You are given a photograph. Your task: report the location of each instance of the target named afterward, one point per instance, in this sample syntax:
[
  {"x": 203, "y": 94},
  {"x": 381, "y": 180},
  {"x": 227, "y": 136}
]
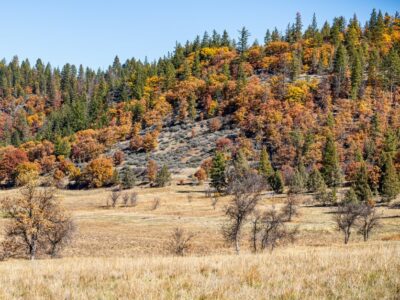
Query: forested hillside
[{"x": 317, "y": 99}]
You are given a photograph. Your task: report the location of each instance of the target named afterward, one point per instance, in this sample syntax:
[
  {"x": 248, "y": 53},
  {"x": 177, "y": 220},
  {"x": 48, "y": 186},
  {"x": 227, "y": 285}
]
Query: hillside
[{"x": 292, "y": 94}]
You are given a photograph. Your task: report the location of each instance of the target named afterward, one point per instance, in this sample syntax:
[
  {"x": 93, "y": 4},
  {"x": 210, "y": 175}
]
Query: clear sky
[{"x": 92, "y": 32}]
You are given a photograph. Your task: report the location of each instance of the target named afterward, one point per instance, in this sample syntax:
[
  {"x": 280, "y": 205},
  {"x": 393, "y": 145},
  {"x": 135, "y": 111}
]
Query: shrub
[
  {"x": 163, "y": 177},
  {"x": 62, "y": 147},
  {"x": 47, "y": 163},
  {"x": 86, "y": 149},
  {"x": 136, "y": 143},
  {"x": 128, "y": 178},
  {"x": 27, "y": 172},
  {"x": 179, "y": 242},
  {"x": 201, "y": 175},
  {"x": 99, "y": 172},
  {"x": 151, "y": 170},
  {"x": 150, "y": 141},
  {"x": 10, "y": 159},
  {"x": 118, "y": 157},
  {"x": 214, "y": 125}
]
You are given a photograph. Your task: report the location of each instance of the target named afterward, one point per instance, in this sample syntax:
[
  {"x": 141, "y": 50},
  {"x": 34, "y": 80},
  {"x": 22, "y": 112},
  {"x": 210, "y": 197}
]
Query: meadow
[{"x": 122, "y": 253}]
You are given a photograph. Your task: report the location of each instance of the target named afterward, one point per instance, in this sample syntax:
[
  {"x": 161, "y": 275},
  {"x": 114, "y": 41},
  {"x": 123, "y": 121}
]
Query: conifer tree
[
  {"x": 264, "y": 166},
  {"x": 62, "y": 147},
  {"x": 350, "y": 196},
  {"x": 356, "y": 76},
  {"x": 340, "y": 68},
  {"x": 361, "y": 186},
  {"x": 390, "y": 183},
  {"x": 331, "y": 170},
  {"x": 315, "y": 181},
  {"x": 298, "y": 26},
  {"x": 240, "y": 163},
  {"x": 276, "y": 182},
  {"x": 275, "y": 36},
  {"x": 218, "y": 172},
  {"x": 163, "y": 176},
  {"x": 242, "y": 45},
  {"x": 267, "y": 37}
]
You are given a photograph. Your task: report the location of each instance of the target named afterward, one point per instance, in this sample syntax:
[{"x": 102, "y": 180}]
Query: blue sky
[{"x": 92, "y": 32}]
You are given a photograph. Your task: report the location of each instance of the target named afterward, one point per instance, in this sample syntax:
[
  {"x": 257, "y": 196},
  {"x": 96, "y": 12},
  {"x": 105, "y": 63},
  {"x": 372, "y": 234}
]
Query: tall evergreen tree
[
  {"x": 361, "y": 186},
  {"x": 331, "y": 170},
  {"x": 264, "y": 166},
  {"x": 218, "y": 172},
  {"x": 242, "y": 44},
  {"x": 390, "y": 183}
]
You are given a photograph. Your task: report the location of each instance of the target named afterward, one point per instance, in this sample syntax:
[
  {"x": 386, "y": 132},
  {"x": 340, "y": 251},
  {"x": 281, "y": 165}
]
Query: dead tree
[
  {"x": 246, "y": 194},
  {"x": 179, "y": 242},
  {"x": 156, "y": 203},
  {"x": 346, "y": 217},
  {"x": 367, "y": 221},
  {"x": 255, "y": 229},
  {"x": 274, "y": 231},
  {"x": 60, "y": 234},
  {"x": 290, "y": 209},
  {"x": 125, "y": 199},
  {"x": 114, "y": 196},
  {"x": 36, "y": 223},
  {"x": 133, "y": 198}
]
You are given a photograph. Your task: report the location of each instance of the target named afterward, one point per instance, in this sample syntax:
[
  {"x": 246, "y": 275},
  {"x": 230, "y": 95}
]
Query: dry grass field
[{"x": 121, "y": 253}]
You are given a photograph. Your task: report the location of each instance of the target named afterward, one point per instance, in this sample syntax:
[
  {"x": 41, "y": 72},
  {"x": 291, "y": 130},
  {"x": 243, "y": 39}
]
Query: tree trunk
[
  {"x": 237, "y": 244},
  {"x": 346, "y": 236}
]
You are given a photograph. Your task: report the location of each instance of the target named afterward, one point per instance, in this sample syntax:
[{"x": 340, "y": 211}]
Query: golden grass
[
  {"x": 120, "y": 254},
  {"x": 352, "y": 272}
]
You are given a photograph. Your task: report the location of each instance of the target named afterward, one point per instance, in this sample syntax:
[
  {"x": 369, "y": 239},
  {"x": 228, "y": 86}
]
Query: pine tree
[
  {"x": 240, "y": 164},
  {"x": 315, "y": 181},
  {"x": 361, "y": 186},
  {"x": 218, "y": 172},
  {"x": 298, "y": 27},
  {"x": 242, "y": 45},
  {"x": 128, "y": 178},
  {"x": 390, "y": 183},
  {"x": 264, "y": 166},
  {"x": 267, "y": 37},
  {"x": 163, "y": 177},
  {"x": 196, "y": 65},
  {"x": 297, "y": 183},
  {"x": 331, "y": 170},
  {"x": 356, "y": 76},
  {"x": 350, "y": 196},
  {"x": 62, "y": 147},
  {"x": 275, "y": 36},
  {"x": 276, "y": 182},
  {"x": 392, "y": 70},
  {"x": 339, "y": 69},
  {"x": 225, "y": 41}
]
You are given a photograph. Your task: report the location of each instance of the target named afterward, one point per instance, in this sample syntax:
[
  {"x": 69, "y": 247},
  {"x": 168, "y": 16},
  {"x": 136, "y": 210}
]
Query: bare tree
[
  {"x": 114, "y": 196},
  {"x": 246, "y": 194},
  {"x": 214, "y": 201},
  {"x": 60, "y": 234},
  {"x": 34, "y": 227},
  {"x": 179, "y": 242},
  {"x": 290, "y": 209},
  {"x": 368, "y": 220},
  {"x": 125, "y": 199},
  {"x": 156, "y": 203},
  {"x": 274, "y": 231},
  {"x": 346, "y": 217},
  {"x": 255, "y": 229},
  {"x": 133, "y": 198}
]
